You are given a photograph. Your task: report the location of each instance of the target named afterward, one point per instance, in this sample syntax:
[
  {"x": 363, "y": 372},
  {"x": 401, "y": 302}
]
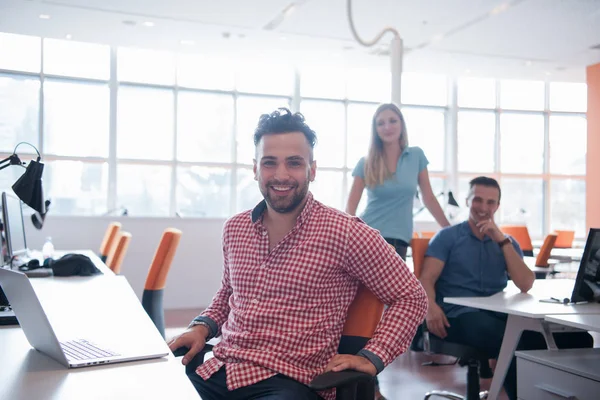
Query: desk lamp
[{"x": 29, "y": 186}]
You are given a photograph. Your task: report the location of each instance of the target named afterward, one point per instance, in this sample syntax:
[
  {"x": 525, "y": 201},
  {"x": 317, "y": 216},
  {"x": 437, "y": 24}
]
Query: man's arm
[
  {"x": 371, "y": 260},
  {"x": 436, "y": 318},
  {"x": 519, "y": 272}
]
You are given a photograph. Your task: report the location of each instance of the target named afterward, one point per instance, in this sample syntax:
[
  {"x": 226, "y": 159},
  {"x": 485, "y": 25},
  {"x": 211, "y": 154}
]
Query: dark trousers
[
  {"x": 485, "y": 329},
  {"x": 278, "y": 387},
  {"x": 400, "y": 245}
]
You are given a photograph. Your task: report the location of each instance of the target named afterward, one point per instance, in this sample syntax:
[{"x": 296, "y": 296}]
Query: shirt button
[{"x": 254, "y": 301}]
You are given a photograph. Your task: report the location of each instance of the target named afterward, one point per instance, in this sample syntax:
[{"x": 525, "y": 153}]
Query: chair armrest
[
  {"x": 194, "y": 362},
  {"x": 329, "y": 380}
]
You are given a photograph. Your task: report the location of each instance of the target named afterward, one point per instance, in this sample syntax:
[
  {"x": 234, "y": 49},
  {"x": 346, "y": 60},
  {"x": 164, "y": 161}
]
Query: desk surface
[
  {"x": 512, "y": 301},
  {"x": 105, "y": 305},
  {"x": 588, "y": 322}
]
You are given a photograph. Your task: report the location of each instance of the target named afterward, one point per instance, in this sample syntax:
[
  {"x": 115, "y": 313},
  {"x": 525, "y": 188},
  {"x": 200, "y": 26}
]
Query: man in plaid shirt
[{"x": 292, "y": 267}]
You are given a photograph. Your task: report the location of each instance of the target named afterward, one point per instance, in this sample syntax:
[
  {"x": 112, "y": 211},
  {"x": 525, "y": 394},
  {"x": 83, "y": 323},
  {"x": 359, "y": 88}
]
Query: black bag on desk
[{"x": 73, "y": 264}]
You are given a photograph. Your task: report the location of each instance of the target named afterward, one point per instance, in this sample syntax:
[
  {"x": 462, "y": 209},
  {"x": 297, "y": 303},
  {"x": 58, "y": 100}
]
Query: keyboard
[{"x": 81, "y": 349}]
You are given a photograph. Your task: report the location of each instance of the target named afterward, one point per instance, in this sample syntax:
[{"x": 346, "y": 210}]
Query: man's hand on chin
[{"x": 341, "y": 362}]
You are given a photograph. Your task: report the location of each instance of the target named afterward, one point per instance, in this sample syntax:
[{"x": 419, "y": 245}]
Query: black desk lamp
[
  {"x": 29, "y": 186},
  {"x": 451, "y": 201}
]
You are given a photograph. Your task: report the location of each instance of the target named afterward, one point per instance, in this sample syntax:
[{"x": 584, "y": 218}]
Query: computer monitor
[
  {"x": 587, "y": 284},
  {"x": 14, "y": 230}
]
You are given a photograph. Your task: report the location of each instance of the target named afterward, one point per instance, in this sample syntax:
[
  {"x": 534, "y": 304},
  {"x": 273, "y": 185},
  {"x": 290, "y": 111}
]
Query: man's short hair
[
  {"x": 485, "y": 181},
  {"x": 283, "y": 121}
]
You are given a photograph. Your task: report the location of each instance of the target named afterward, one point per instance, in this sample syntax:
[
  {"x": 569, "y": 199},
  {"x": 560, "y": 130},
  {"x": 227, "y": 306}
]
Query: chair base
[{"x": 452, "y": 396}]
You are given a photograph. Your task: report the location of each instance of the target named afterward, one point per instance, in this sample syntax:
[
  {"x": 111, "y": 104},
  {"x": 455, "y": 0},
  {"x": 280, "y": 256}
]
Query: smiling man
[
  {"x": 292, "y": 266},
  {"x": 474, "y": 258}
]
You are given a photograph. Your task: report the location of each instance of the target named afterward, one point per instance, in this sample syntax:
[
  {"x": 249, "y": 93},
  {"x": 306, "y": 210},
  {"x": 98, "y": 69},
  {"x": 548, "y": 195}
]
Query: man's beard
[{"x": 287, "y": 204}]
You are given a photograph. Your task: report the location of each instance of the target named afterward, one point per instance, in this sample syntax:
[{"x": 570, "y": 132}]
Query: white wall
[{"x": 196, "y": 271}]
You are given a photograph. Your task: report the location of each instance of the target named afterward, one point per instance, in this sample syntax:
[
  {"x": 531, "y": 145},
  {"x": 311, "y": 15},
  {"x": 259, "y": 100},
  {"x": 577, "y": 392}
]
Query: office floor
[{"x": 405, "y": 378}]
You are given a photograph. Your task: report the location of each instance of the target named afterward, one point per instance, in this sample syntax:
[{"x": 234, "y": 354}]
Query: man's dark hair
[
  {"x": 485, "y": 181},
  {"x": 283, "y": 121}
]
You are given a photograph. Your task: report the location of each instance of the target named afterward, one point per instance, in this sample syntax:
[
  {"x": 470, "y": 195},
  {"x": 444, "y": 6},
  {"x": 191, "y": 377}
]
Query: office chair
[
  {"x": 425, "y": 234},
  {"x": 542, "y": 258},
  {"x": 521, "y": 234},
  {"x": 363, "y": 316},
  {"x": 152, "y": 298},
  {"x": 109, "y": 239},
  {"x": 477, "y": 365},
  {"x": 419, "y": 248},
  {"x": 565, "y": 239},
  {"x": 117, "y": 254}
]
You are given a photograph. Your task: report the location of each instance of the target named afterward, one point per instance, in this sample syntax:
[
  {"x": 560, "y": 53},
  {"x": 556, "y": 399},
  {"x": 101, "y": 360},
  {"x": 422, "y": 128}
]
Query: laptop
[{"x": 135, "y": 339}]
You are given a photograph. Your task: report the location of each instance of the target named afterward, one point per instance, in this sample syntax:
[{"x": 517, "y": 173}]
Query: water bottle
[{"x": 48, "y": 248}]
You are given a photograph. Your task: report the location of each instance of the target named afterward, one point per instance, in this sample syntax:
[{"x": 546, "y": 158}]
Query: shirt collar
[{"x": 261, "y": 207}]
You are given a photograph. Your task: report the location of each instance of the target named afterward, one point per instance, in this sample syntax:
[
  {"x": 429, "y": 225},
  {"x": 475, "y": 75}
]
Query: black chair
[{"x": 476, "y": 361}]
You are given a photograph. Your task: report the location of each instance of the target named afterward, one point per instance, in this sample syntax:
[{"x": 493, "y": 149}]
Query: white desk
[
  {"x": 28, "y": 374},
  {"x": 525, "y": 312},
  {"x": 587, "y": 322},
  {"x": 564, "y": 255}
]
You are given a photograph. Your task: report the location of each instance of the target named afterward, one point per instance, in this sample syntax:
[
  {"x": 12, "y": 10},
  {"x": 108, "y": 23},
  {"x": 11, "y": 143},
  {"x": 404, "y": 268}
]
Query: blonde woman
[{"x": 391, "y": 173}]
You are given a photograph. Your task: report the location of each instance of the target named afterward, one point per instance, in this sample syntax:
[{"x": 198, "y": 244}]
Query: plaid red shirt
[{"x": 282, "y": 311}]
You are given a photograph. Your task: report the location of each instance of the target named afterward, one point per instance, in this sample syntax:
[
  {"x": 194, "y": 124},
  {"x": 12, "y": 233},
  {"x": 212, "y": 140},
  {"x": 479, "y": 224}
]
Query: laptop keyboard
[{"x": 81, "y": 349}]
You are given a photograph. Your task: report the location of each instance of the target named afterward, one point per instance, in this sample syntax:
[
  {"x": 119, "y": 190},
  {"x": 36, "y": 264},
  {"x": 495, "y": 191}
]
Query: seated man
[
  {"x": 292, "y": 267},
  {"x": 474, "y": 258}
]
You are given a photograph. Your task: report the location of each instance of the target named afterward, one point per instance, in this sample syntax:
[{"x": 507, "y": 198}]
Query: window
[
  {"x": 366, "y": 84},
  {"x": 323, "y": 82},
  {"x": 476, "y": 138},
  {"x": 19, "y": 112},
  {"x": 204, "y": 127},
  {"x": 567, "y": 205},
  {"x": 327, "y": 119},
  {"x": 144, "y": 190},
  {"x": 522, "y": 143},
  {"x": 203, "y": 191},
  {"x": 522, "y": 95},
  {"x": 477, "y": 93},
  {"x": 146, "y": 66},
  {"x": 422, "y": 213},
  {"x": 568, "y": 143},
  {"x": 360, "y": 120},
  {"x": 271, "y": 78},
  {"x": 522, "y": 202},
  {"x": 195, "y": 71},
  {"x": 145, "y": 123},
  {"x": 426, "y": 129},
  {"x": 76, "y": 119},
  {"x": 248, "y": 193},
  {"x": 20, "y": 53},
  {"x": 76, "y": 59},
  {"x": 424, "y": 89},
  {"x": 565, "y": 96},
  {"x": 249, "y": 109},
  {"x": 76, "y": 188},
  {"x": 327, "y": 188}
]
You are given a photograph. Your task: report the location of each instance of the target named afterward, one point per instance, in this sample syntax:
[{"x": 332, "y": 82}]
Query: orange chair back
[
  {"x": 109, "y": 239},
  {"x": 564, "y": 239},
  {"x": 544, "y": 254},
  {"x": 520, "y": 233},
  {"x": 117, "y": 254},
  {"x": 363, "y": 315},
  {"x": 419, "y": 248},
  {"x": 425, "y": 234},
  {"x": 161, "y": 263}
]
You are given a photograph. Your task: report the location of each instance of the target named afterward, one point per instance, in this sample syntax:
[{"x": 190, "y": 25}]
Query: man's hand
[
  {"x": 437, "y": 321},
  {"x": 341, "y": 362},
  {"x": 194, "y": 339},
  {"x": 490, "y": 228}
]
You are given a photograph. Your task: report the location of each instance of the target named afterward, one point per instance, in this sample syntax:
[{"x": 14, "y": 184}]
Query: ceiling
[{"x": 530, "y": 39}]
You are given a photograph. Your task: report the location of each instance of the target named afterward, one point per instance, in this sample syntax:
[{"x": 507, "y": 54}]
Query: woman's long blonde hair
[{"x": 376, "y": 171}]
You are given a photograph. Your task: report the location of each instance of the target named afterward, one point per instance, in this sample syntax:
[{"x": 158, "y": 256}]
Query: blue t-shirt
[
  {"x": 389, "y": 206},
  {"x": 472, "y": 267}
]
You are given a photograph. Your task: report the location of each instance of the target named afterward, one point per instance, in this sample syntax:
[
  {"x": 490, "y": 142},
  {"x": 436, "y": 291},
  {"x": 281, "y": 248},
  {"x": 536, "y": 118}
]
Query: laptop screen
[
  {"x": 587, "y": 284},
  {"x": 12, "y": 214}
]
